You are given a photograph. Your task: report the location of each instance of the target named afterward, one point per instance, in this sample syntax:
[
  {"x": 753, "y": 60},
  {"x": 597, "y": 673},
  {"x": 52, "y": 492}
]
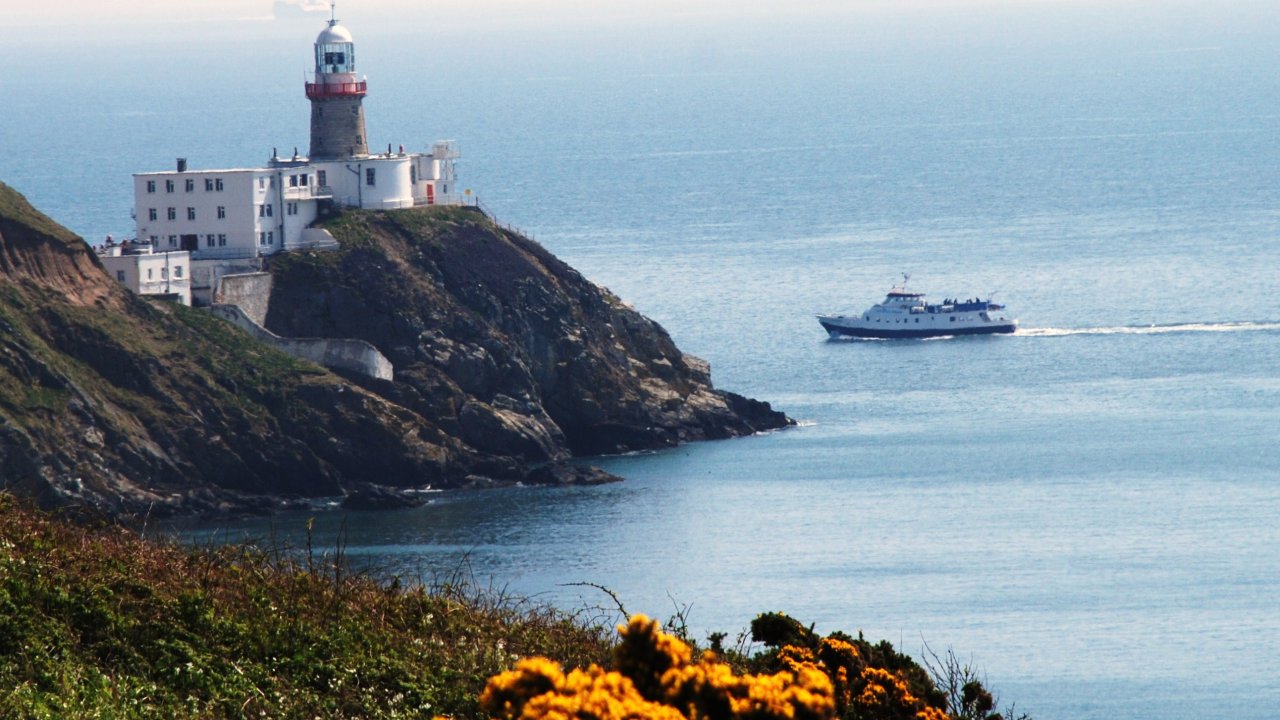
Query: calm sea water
[{"x": 1087, "y": 508}]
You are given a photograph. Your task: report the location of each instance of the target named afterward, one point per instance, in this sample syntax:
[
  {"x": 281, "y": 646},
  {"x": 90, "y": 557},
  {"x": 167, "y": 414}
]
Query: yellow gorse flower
[
  {"x": 657, "y": 679},
  {"x": 885, "y": 694},
  {"x": 711, "y": 690},
  {"x": 793, "y": 658},
  {"x": 834, "y": 652}
]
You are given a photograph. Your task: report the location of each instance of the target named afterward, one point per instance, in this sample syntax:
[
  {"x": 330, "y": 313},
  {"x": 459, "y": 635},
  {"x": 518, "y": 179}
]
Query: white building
[
  {"x": 227, "y": 219},
  {"x": 139, "y": 268}
]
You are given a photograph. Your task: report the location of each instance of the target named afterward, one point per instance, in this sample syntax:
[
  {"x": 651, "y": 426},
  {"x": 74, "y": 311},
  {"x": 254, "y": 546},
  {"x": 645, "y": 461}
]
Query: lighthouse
[
  {"x": 337, "y": 110},
  {"x": 222, "y": 221}
]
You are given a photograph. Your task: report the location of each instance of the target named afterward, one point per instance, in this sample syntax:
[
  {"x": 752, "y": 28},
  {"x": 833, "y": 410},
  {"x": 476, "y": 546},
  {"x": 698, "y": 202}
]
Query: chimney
[{"x": 182, "y": 164}]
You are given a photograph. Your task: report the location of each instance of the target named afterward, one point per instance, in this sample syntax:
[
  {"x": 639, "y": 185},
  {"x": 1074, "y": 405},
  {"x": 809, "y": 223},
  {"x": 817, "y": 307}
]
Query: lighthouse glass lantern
[{"x": 333, "y": 58}]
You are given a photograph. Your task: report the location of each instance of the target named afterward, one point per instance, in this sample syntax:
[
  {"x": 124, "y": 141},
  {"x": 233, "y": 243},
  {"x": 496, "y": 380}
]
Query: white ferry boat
[{"x": 904, "y": 314}]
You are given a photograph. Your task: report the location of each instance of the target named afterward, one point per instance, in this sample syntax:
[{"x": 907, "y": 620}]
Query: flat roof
[{"x": 225, "y": 171}]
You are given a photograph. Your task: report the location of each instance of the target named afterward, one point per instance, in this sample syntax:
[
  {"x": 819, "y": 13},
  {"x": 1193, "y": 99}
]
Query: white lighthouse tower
[
  {"x": 225, "y": 220},
  {"x": 337, "y": 110}
]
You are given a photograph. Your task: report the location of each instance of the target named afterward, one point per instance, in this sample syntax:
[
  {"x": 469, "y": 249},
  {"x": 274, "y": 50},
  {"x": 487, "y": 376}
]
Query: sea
[{"x": 1087, "y": 511}]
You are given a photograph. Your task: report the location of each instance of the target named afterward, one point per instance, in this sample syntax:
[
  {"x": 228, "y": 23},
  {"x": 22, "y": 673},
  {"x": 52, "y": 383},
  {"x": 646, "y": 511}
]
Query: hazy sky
[
  {"x": 52, "y": 13},
  {"x": 35, "y": 12},
  {"x": 767, "y": 25},
  {"x": 62, "y": 11},
  {"x": 81, "y": 16}
]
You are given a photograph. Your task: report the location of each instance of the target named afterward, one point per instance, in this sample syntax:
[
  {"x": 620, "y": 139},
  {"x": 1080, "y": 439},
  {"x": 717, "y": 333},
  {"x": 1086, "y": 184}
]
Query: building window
[
  {"x": 191, "y": 213},
  {"x": 222, "y": 240},
  {"x": 293, "y": 181},
  {"x": 153, "y": 239},
  {"x": 208, "y": 184},
  {"x": 302, "y": 179},
  {"x": 208, "y": 241},
  {"x": 271, "y": 237},
  {"x": 120, "y": 275},
  {"x": 292, "y": 208},
  {"x": 269, "y": 214},
  {"x": 222, "y": 212},
  {"x": 262, "y": 183},
  {"x": 151, "y": 187},
  {"x": 321, "y": 178},
  {"x": 262, "y": 238},
  {"x": 369, "y": 177},
  {"x": 191, "y": 185},
  {"x": 173, "y": 213},
  {"x": 151, "y": 213},
  {"x": 271, "y": 182},
  {"x": 177, "y": 271},
  {"x": 149, "y": 272},
  {"x": 173, "y": 241},
  {"x": 168, "y": 186},
  {"x": 217, "y": 184},
  {"x": 164, "y": 273},
  {"x": 413, "y": 174}
]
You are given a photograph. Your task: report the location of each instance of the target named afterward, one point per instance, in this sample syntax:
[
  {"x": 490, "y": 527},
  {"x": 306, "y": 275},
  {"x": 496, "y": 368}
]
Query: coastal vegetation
[{"x": 98, "y": 620}]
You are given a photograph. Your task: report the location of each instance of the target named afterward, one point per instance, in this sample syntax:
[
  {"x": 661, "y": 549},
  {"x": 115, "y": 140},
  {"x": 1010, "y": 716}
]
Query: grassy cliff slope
[
  {"x": 130, "y": 406},
  {"x": 96, "y": 622}
]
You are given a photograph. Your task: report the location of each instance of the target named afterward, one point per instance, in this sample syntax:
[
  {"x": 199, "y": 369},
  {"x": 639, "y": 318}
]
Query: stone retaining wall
[
  {"x": 336, "y": 353},
  {"x": 250, "y": 291}
]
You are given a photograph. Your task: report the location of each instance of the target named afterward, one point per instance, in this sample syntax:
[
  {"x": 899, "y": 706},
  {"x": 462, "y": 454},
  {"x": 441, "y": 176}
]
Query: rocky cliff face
[
  {"x": 506, "y": 359},
  {"x": 507, "y": 348},
  {"x": 130, "y": 406}
]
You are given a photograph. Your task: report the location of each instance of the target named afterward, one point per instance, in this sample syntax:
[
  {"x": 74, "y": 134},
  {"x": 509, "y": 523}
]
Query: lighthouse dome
[{"x": 333, "y": 34}]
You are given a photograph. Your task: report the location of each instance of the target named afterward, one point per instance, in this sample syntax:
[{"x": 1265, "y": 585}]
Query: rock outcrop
[
  {"x": 506, "y": 360},
  {"x": 131, "y": 407},
  {"x": 502, "y": 344}
]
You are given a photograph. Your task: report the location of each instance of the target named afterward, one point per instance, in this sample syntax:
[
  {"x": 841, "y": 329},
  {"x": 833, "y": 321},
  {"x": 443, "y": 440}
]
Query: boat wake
[{"x": 1152, "y": 329}]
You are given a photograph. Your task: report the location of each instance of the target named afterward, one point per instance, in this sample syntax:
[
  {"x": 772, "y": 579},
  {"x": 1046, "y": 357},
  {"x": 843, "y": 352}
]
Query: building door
[
  {"x": 431, "y": 194},
  {"x": 190, "y": 242}
]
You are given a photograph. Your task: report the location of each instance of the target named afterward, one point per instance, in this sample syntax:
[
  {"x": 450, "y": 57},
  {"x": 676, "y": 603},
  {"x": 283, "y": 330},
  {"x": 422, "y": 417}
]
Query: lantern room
[{"x": 335, "y": 53}]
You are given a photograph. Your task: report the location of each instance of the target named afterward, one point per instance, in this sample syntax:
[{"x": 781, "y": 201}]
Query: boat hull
[{"x": 837, "y": 329}]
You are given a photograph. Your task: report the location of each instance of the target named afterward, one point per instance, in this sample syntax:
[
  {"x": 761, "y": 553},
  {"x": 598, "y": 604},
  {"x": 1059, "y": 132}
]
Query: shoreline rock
[{"x": 560, "y": 474}]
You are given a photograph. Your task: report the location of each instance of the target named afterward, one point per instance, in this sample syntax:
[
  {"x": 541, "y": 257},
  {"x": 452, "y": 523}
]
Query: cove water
[{"x": 1087, "y": 509}]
